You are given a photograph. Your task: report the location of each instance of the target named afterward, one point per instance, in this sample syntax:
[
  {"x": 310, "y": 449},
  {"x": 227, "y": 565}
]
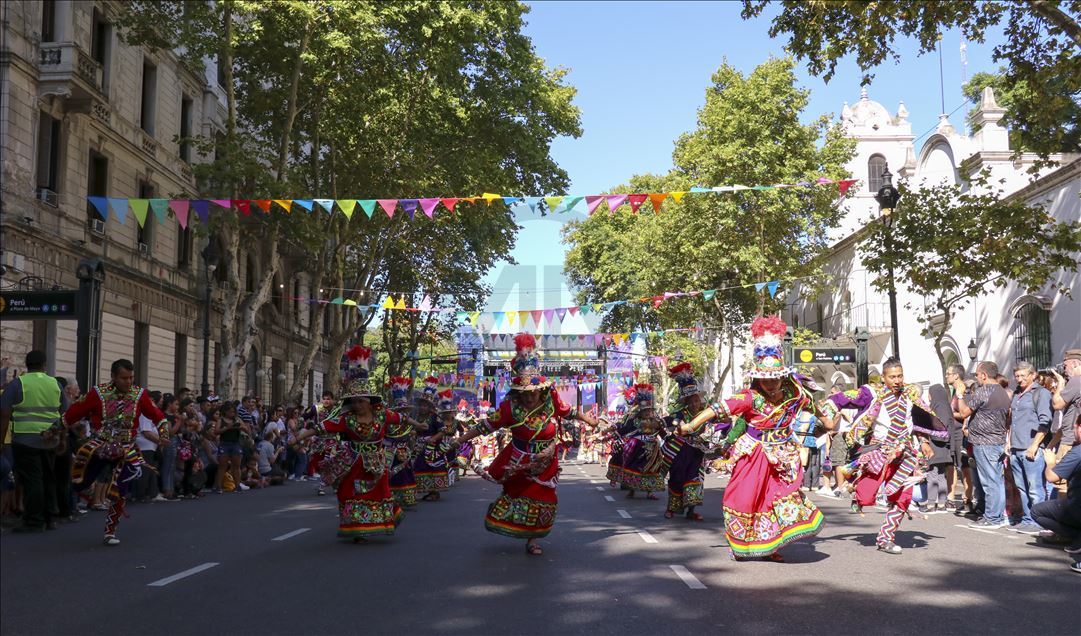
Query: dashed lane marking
[
  {"x": 290, "y": 535},
  {"x": 609, "y": 498},
  {"x": 624, "y": 513},
  {"x": 647, "y": 537},
  {"x": 600, "y": 488},
  {"x": 685, "y": 575},
  {"x": 181, "y": 575}
]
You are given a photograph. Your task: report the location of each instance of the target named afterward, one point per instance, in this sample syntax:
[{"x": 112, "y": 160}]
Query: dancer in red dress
[
  {"x": 527, "y": 468},
  {"x": 764, "y": 509}
]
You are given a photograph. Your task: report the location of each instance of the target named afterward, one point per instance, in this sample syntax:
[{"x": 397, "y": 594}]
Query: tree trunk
[{"x": 291, "y": 105}]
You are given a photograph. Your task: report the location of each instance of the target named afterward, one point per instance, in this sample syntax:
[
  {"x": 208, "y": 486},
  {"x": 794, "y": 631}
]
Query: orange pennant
[
  {"x": 264, "y": 205},
  {"x": 657, "y": 199}
]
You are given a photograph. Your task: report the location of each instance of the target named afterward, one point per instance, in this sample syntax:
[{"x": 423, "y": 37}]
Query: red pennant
[
  {"x": 657, "y": 199},
  {"x": 636, "y": 201},
  {"x": 243, "y": 205},
  {"x": 264, "y": 205},
  {"x": 844, "y": 184},
  {"x": 449, "y": 204},
  {"x": 574, "y": 311}
]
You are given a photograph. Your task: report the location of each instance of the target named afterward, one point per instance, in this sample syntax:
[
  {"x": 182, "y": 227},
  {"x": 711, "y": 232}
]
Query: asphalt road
[{"x": 267, "y": 562}]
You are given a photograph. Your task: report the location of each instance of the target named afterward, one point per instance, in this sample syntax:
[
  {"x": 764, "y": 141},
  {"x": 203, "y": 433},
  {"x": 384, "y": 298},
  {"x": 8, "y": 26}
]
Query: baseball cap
[{"x": 1072, "y": 354}]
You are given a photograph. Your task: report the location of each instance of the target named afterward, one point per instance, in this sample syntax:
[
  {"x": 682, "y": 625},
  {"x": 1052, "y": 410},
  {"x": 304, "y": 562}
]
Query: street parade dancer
[
  {"x": 527, "y": 468},
  {"x": 764, "y": 509},
  {"x": 684, "y": 455},
  {"x": 892, "y": 447},
  {"x": 313, "y": 417},
  {"x": 438, "y": 453},
  {"x": 642, "y": 459},
  {"x": 354, "y": 460},
  {"x": 432, "y": 479},
  {"x": 113, "y": 409},
  {"x": 614, "y": 438},
  {"x": 401, "y": 444}
]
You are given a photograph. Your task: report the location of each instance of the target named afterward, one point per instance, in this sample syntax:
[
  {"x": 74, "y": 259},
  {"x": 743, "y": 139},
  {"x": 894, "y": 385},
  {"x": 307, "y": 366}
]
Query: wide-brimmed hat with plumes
[
  {"x": 768, "y": 332},
  {"x": 484, "y": 409},
  {"x": 630, "y": 396},
  {"x": 683, "y": 374},
  {"x": 445, "y": 401},
  {"x": 429, "y": 390},
  {"x": 526, "y": 365},
  {"x": 464, "y": 411},
  {"x": 643, "y": 396},
  {"x": 354, "y": 371},
  {"x": 399, "y": 392}
]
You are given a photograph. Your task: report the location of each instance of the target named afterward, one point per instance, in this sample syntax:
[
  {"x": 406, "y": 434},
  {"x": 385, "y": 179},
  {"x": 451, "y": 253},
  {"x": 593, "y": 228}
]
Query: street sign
[
  {"x": 36, "y": 305},
  {"x": 813, "y": 355}
]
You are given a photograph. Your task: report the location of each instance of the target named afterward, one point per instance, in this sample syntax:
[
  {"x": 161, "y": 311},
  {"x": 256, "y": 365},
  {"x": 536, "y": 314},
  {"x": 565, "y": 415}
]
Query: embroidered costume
[
  {"x": 114, "y": 422},
  {"x": 430, "y": 466},
  {"x": 764, "y": 509},
  {"x": 642, "y": 459},
  {"x": 615, "y": 437},
  {"x": 890, "y": 453},
  {"x": 400, "y": 444},
  {"x": 684, "y": 455}
]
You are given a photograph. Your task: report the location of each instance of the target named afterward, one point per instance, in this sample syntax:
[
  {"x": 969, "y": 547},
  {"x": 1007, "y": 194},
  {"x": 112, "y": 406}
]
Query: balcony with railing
[{"x": 66, "y": 69}]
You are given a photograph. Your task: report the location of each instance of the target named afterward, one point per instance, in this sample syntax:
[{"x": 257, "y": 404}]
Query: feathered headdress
[
  {"x": 768, "y": 333},
  {"x": 430, "y": 388},
  {"x": 446, "y": 401},
  {"x": 354, "y": 368},
  {"x": 526, "y": 365},
  {"x": 484, "y": 409},
  {"x": 643, "y": 396},
  {"x": 399, "y": 392},
  {"x": 629, "y": 396},
  {"x": 683, "y": 374}
]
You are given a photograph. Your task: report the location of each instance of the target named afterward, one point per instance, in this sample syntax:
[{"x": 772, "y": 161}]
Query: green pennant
[
  {"x": 368, "y": 205},
  {"x": 160, "y": 208},
  {"x": 585, "y": 309},
  {"x": 338, "y": 301},
  {"x": 709, "y": 293},
  {"x": 138, "y": 208},
  {"x": 347, "y": 206},
  {"x": 553, "y": 203}
]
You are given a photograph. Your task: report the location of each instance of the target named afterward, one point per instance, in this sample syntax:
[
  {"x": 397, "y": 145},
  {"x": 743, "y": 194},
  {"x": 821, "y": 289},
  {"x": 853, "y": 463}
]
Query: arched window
[
  {"x": 876, "y": 165},
  {"x": 1032, "y": 335}
]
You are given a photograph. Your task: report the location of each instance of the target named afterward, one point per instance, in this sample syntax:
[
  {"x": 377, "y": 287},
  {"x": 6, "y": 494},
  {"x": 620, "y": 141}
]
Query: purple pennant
[
  {"x": 225, "y": 203},
  {"x": 202, "y": 209},
  {"x": 409, "y": 205},
  {"x": 598, "y": 339},
  {"x": 561, "y": 312},
  {"x": 592, "y": 201},
  {"x": 428, "y": 206},
  {"x": 548, "y": 313},
  {"x": 615, "y": 200}
]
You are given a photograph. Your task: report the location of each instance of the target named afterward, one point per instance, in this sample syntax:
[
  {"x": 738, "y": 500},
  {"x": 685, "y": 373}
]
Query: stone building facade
[{"x": 84, "y": 113}]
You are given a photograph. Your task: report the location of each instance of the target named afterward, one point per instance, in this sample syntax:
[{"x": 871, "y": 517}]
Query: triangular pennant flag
[
  {"x": 636, "y": 201},
  {"x": 592, "y": 201},
  {"x": 709, "y": 293},
  {"x": 772, "y": 286},
  {"x": 844, "y": 184},
  {"x": 202, "y": 210},
  {"x": 349, "y": 303},
  {"x": 615, "y": 200},
  {"x": 598, "y": 339},
  {"x": 409, "y": 206},
  {"x": 138, "y": 208},
  {"x": 489, "y": 197},
  {"x": 243, "y": 205},
  {"x": 401, "y": 303},
  {"x": 223, "y": 203},
  {"x": 585, "y": 309},
  {"x": 553, "y": 203},
  {"x": 759, "y": 286},
  {"x": 337, "y": 301},
  {"x": 510, "y": 201},
  {"x": 597, "y": 307},
  {"x": 570, "y": 202},
  {"x": 548, "y": 314},
  {"x": 657, "y": 199},
  {"x": 677, "y": 196},
  {"x": 119, "y": 208},
  {"x": 101, "y": 206},
  {"x": 532, "y": 203},
  {"x": 573, "y": 310},
  {"x": 537, "y": 316},
  {"x": 474, "y": 317},
  {"x": 347, "y": 206},
  {"x": 425, "y": 303},
  {"x": 695, "y": 189},
  {"x": 304, "y": 203},
  {"x": 368, "y": 205},
  {"x": 286, "y": 204},
  {"x": 388, "y": 206},
  {"x": 160, "y": 208},
  {"x": 428, "y": 206},
  {"x": 561, "y": 313},
  {"x": 180, "y": 208},
  {"x": 461, "y": 316},
  {"x": 497, "y": 319},
  {"x": 264, "y": 205},
  {"x": 326, "y": 204},
  {"x": 522, "y": 315},
  {"x": 449, "y": 204},
  {"x": 388, "y": 303},
  {"x": 511, "y": 317}
]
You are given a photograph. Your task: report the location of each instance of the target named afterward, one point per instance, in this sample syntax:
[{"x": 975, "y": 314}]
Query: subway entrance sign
[
  {"x": 37, "y": 305},
  {"x": 818, "y": 355}
]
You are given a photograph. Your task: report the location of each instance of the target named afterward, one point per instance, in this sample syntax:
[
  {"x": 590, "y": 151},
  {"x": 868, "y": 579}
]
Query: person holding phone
[
  {"x": 230, "y": 451},
  {"x": 987, "y": 408}
]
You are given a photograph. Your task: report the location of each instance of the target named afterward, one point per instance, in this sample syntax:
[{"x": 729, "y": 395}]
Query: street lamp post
[
  {"x": 210, "y": 259},
  {"x": 887, "y": 198}
]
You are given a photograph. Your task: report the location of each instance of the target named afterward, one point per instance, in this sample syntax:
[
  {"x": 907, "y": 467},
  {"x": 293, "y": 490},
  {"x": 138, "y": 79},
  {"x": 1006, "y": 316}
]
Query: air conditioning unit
[
  {"x": 47, "y": 196},
  {"x": 144, "y": 249},
  {"x": 97, "y": 226}
]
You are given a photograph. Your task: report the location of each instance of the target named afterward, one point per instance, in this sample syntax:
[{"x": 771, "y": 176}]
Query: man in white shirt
[{"x": 146, "y": 488}]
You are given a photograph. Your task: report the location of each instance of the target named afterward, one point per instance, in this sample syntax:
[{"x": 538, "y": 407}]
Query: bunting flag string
[{"x": 118, "y": 206}]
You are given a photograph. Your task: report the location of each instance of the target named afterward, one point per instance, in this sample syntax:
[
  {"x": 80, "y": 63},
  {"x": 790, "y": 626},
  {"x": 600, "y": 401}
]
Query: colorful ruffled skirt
[
  {"x": 685, "y": 473},
  {"x": 365, "y": 504},
  {"x": 526, "y": 509},
  {"x": 642, "y": 466}
]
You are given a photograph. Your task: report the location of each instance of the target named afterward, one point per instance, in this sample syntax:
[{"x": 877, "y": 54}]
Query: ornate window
[
  {"x": 1032, "y": 335},
  {"x": 876, "y": 165}
]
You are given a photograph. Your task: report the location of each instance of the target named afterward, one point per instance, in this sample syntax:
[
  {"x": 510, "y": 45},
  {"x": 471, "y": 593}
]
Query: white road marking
[
  {"x": 181, "y": 575},
  {"x": 624, "y": 514},
  {"x": 609, "y": 498},
  {"x": 688, "y": 578},
  {"x": 290, "y": 535},
  {"x": 596, "y": 481},
  {"x": 647, "y": 537},
  {"x": 975, "y": 529},
  {"x": 600, "y": 488}
]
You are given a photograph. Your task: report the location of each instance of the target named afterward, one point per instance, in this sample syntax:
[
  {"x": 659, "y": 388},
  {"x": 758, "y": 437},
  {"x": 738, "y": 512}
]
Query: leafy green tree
[
  {"x": 1040, "y": 53},
  {"x": 951, "y": 244},
  {"x": 749, "y": 132}
]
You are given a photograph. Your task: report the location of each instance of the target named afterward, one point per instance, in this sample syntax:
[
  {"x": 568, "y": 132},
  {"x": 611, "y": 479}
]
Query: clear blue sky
[{"x": 641, "y": 70}]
